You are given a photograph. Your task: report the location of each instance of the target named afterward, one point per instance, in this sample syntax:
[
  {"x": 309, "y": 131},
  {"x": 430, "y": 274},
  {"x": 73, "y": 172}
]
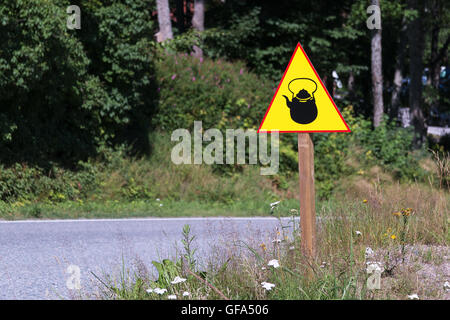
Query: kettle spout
[{"x": 288, "y": 103}]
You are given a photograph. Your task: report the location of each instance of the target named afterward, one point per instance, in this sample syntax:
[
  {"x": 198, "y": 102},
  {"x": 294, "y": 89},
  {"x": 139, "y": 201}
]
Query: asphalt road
[{"x": 35, "y": 254}]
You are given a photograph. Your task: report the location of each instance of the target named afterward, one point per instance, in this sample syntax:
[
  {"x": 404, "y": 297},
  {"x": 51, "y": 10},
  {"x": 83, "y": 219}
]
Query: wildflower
[
  {"x": 291, "y": 248},
  {"x": 241, "y": 71},
  {"x": 393, "y": 237},
  {"x": 276, "y": 240},
  {"x": 406, "y": 212},
  {"x": 274, "y": 263},
  {"x": 324, "y": 264},
  {"x": 263, "y": 268},
  {"x": 397, "y": 213},
  {"x": 160, "y": 204},
  {"x": 361, "y": 172},
  {"x": 149, "y": 290},
  {"x": 174, "y": 76},
  {"x": 172, "y": 297},
  {"x": 263, "y": 246},
  {"x": 446, "y": 286},
  {"x": 274, "y": 204},
  {"x": 186, "y": 294},
  {"x": 159, "y": 291},
  {"x": 294, "y": 211},
  {"x": 358, "y": 233},
  {"x": 193, "y": 78},
  {"x": 365, "y": 201},
  {"x": 413, "y": 297},
  {"x": 268, "y": 286},
  {"x": 158, "y": 199},
  {"x": 178, "y": 280}
]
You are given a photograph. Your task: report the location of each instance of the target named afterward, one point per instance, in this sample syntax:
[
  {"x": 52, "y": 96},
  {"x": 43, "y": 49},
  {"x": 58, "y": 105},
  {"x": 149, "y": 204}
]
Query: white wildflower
[
  {"x": 291, "y": 248},
  {"x": 178, "y": 280},
  {"x": 172, "y": 297},
  {"x": 324, "y": 264},
  {"x": 274, "y": 263},
  {"x": 159, "y": 291},
  {"x": 186, "y": 294},
  {"x": 274, "y": 204},
  {"x": 149, "y": 290},
  {"x": 268, "y": 286},
  {"x": 160, "y": 204},
  {"x": 358, "y": 233},
  {"x": 446, "y": 286},
  {"x": 158, "y": 199},
  {"x": 413, "y": 297},
  {"x": 276, "y": 240}
]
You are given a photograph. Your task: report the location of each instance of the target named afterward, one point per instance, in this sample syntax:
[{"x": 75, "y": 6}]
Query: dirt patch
[{"x": 421, "y": 270}]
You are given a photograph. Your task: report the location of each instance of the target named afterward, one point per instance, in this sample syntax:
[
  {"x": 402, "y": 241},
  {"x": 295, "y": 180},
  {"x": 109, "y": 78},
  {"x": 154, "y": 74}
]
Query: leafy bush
[
  {"x": 64, "y": 91},
  {"x": 43, "y": 85},
  {"x": 330, "y": 151},
  {"x": 118, "y": 37},
  {"x": 388, "y": 145},
  {"x": 221, "y": 94},
  {"x": 23, "y": 183}
]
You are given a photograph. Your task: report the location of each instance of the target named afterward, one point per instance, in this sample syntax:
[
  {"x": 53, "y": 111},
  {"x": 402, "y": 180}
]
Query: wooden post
[{"x": 307, "y": 194}]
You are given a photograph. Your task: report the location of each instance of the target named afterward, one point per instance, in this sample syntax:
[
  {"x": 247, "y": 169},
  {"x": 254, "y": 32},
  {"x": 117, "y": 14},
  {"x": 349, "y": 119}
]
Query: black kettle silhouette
[{"x": 303, "y": 105}]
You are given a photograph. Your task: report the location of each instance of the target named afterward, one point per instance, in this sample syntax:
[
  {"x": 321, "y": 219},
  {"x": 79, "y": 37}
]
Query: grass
[
  {"x": 410, "y": 244},
  {"x": 412, "y": 248},
  {"x": 136, "y": 208}
]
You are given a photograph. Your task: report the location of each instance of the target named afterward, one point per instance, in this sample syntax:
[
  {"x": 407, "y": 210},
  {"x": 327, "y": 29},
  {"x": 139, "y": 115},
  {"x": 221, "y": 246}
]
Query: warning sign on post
[{"x": 301, "y": 102}]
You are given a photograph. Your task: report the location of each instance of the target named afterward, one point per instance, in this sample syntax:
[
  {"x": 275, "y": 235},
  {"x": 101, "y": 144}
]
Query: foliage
[
  {"x": 118, "y": 37},
  {"x": 265, "y": 35},
  {"x": 331, "y": 151},
  {"x": 388, "y": 145},
  {"x": 44, "y": 85},
  {"x": 23, "y": 183},
  {"x": 220, "y": 94},
  {"x": 63, "y": 91}
]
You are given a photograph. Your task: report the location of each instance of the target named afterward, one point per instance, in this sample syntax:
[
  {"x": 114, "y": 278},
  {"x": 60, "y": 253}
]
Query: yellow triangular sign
[{"x": 301, "y": 102}]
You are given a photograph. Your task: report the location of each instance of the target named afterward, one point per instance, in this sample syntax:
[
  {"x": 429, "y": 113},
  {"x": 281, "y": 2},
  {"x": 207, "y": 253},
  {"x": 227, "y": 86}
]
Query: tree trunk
[
  {"x": 398, "y": 74},
  {"x": 165, "y": 25},
  {"x": 435, "y": 8},
  {"x": 198, "y": 23},
  {"x": 351, "y": 83},
  {"x": 415, "y": 39},
  {"x": 377, "y": 74}
]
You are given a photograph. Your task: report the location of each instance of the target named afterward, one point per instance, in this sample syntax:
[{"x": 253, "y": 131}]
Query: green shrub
[
  {"x": 389, "y": 146},
  {"x": 118, "y": 40},
  {"x": 64, "y": 91},
  {"x": 221, "y": 94},
  {"x": 23, "y": 183},
  {"x": 330, "y": 151}
]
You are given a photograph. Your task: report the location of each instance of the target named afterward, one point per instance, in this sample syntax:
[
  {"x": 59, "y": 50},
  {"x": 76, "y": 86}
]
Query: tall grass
[{"x": 405, "y": 225}]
